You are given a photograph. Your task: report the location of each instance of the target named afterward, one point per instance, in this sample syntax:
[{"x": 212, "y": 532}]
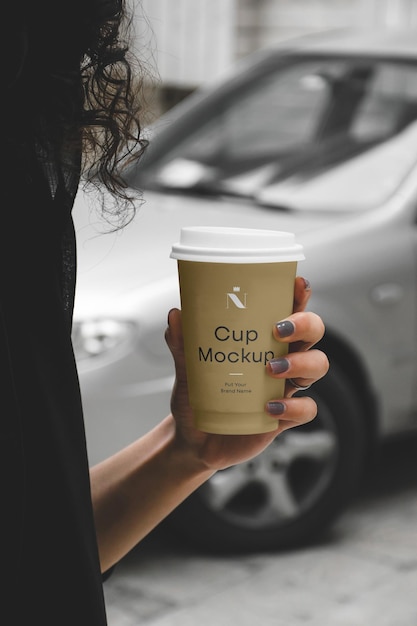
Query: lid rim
[{"x": 239, "y": 245}]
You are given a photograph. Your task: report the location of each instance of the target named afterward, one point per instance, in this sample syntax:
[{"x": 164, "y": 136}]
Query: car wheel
[{"x": 291, "y": 492}]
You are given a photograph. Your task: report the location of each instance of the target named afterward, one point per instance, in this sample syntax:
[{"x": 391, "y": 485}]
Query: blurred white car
[{"x": 318, "y": 137}]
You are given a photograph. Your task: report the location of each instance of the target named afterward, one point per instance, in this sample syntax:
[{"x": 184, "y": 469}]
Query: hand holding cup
[
  {"x": 293, "y": 333},
  {"x": 222, "y": 451}
]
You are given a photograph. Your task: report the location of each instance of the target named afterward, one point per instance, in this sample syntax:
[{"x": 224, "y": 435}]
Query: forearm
[{"x": 138, "y": 487}]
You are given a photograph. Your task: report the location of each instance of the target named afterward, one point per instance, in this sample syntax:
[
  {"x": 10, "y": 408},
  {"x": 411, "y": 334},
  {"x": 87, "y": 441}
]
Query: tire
[{"x": 293, "y": 491}]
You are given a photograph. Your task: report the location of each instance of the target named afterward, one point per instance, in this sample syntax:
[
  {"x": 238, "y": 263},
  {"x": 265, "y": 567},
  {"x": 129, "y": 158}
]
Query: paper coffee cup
[{"x": 235, "y": 284}]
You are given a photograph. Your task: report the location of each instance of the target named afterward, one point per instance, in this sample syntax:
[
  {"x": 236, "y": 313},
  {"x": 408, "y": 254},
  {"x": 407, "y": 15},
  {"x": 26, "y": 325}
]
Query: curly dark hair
[{"x": 76, "y": 87}]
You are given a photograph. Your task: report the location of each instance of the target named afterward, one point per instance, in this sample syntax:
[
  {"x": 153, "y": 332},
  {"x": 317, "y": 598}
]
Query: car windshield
[{"x": 310, "y": 133}]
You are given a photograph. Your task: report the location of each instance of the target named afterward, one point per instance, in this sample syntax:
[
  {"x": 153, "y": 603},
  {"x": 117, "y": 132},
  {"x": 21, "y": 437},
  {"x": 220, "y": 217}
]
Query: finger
[
  {"x": 302, "y": 293},
  {"x": 302, "y": 330},
  {"x": 292, "y": 412},
  {"x": 305, "y": 367}
]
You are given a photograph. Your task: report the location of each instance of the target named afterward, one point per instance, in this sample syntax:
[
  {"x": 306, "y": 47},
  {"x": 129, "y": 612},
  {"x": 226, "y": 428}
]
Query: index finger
[{"x": 302, "y": 293}]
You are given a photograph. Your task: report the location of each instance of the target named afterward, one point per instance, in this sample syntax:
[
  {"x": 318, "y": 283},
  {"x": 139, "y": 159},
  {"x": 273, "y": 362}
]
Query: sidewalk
[{"x": 364, "y": 575}]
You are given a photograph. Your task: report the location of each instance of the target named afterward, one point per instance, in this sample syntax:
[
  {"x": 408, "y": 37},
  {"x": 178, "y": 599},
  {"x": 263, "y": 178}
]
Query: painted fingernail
[
  {"x": 279, "y": 365},
  {"x": 275, "y": 408},
  {"x": 285, "y": 328},
  {"x": 307, "y": 285}
]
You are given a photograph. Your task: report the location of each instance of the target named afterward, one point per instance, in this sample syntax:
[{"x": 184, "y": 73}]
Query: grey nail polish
[
  {"x": 276, "y": 408},
  {"x": 285, "y": 328},
  {"x": 279, "y": 365}
]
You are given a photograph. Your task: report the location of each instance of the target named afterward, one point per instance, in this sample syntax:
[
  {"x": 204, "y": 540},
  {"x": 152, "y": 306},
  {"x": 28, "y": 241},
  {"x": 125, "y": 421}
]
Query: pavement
[{"x": 364, "y": 573}]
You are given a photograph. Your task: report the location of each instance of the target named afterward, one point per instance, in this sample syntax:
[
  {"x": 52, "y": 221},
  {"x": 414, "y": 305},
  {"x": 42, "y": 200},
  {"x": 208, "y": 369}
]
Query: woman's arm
[
  {"x": 135, "y": 489},
  {"x": 138, "y": 487}
]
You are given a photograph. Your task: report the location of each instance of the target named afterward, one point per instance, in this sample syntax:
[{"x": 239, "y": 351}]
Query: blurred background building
[{"x": 195, "y": 41}]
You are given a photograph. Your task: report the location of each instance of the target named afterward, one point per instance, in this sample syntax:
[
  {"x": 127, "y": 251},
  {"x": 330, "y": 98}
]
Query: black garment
[{"x": 49, "y": 555}]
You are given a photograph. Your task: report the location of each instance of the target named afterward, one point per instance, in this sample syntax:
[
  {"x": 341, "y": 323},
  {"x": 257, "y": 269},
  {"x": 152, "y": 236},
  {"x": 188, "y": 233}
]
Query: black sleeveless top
[{"x": 49, "y": 554}]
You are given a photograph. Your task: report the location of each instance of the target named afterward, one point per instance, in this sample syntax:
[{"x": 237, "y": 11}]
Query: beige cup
[{"x": 235, "y": 284}]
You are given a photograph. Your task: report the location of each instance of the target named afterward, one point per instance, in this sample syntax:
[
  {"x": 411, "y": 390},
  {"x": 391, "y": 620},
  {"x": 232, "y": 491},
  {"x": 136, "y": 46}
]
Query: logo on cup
[{"x": 238, "y": 302}]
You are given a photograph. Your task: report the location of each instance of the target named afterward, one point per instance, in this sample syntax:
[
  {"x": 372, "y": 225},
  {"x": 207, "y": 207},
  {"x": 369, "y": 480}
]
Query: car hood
[{"x": 115, "y": 267}]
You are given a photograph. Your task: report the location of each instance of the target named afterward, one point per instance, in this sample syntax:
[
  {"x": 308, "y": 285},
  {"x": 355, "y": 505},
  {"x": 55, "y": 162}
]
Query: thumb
[
  {"x": 174, "y": 340},
  {"x": 174, "y": 337}
]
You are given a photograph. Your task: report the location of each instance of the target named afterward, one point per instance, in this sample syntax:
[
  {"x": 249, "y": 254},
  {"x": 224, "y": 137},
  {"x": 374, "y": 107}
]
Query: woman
[{"x": 71, "y": 106}]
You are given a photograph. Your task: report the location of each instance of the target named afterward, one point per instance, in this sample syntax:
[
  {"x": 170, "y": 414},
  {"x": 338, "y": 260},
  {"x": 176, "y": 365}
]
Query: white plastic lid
[{"x": 217, "y": 244}]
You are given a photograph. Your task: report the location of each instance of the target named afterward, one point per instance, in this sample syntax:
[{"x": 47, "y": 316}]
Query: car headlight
[{"x": 99, "y": 337}]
